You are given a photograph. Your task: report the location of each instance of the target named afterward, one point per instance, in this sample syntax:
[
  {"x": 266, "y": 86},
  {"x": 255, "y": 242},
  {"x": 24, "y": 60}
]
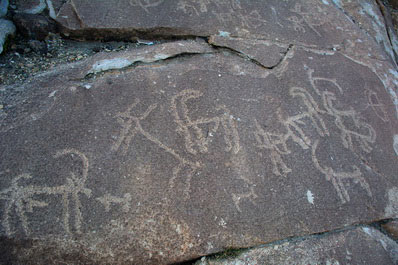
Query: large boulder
[{"x": 253, "y": 133}]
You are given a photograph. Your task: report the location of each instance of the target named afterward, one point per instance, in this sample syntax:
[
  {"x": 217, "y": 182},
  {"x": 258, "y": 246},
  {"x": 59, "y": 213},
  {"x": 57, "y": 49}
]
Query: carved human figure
[
  {"x": 131, "y": 126},
  {"x": 277, "y": 142}
]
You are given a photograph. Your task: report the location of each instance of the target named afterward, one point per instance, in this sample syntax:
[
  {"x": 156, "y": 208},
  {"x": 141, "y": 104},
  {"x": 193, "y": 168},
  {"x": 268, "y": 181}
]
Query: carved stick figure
[
  {"x": 131, "y": 126},
  {"x": 278, "y": 142}
]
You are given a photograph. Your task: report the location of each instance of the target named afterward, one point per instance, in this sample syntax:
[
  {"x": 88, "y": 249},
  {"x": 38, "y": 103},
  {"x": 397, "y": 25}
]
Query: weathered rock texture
[
  {"x": 162, "y": 154},
  {"x": 359, "y": 246}
]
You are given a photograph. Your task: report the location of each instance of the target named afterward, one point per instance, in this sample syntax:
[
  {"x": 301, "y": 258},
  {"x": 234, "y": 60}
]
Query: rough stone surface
[
  {"x": 34, "y": 26},
  {"x": 359, "y": 246},
  {"x": 7, "y": 28},
  {"x": 369, "y": 16},
  {"x": 193, "y": 151},
  {"x": 391, "y": 228},
  {"x": 255, "y": 132}
]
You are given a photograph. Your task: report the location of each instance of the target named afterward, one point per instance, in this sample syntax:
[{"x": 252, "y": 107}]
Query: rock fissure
[
  {"x": 134, "y": 64},
  {"x": 235, "y": 252}
]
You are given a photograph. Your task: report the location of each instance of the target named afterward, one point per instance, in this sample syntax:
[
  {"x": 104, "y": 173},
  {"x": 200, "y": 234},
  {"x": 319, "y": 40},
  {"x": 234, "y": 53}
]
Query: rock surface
[
  {"x": 34, "y": 26},
  {"x": 7, "y": 28},
  {"x": 253, "y": 133},
  {"x": 391, "y": 227},
  {"x": 3, "y": 8},
  {"x": 359, "y": 246}
]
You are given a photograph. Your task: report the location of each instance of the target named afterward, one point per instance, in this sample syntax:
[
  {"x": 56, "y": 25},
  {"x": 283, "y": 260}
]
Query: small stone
[
  {"x": 391, "y": 228},
  {"x": 38, "y": 46},
  {"x": 7, "y": 28},
  {"x": 3, "y": 7},
  {"x": 30, "y": 6}
]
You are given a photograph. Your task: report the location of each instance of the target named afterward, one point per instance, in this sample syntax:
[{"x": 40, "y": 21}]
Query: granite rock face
[{"x": 252, "y": 133}]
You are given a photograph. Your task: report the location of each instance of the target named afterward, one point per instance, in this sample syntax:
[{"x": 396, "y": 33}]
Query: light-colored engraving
[
  {"x": 107, "y": 200},
  {"x": 338, "y": 178},
  {"x": 196, "y": 138},
  {"x": 250, "y": 195},
  {"x": 243, "y": 172},
  {"x": 187, "y": 171},
  {"x": 305, "y": 18},
  {"x": 21, "y": 199},
  {"x": 202, "y": 6},
  {"x": 277, "y": 143},
  {"x": 364, "y": 139},
  {"x": 251, "y": 20},
  {"x": 197, "y": 7},
  {"x": 365, "y": 135},
  {"x": 378, "y": 107},
  {"x": 131, "y": 126},
  {"x": 146, "y": 4},
  {"x": 70, "y": 192}
]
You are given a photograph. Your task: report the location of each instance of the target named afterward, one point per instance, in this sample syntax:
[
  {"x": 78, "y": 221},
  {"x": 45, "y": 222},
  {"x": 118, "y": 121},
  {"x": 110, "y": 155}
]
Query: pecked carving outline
[{"x": 22, "y": 197}]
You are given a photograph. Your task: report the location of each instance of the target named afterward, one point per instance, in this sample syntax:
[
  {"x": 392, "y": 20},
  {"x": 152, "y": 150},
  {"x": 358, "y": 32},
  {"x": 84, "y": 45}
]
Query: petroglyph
[
  {"x": 196, "y": 7},
  {"x": 21, "y": 199},
  {"x": 202, "y": 6},
  {"x": 243, "y": 172},
  {"x": 196, "y": 138},
  {"x": 376, "y": 105},
  {"x": 70, "y": 192},
  {"x": 146, "y": 4},
  {"x": 365, "y": 134},
  {"x": 187, "y": 171},
  {"x": 338, "y": 179},
  {"x": 277, "y": 143},
  {"x": 131, "y": 126},
  {"x": 107, "y": 200},
  {"x": 251, "y": 20},
  {"x": 364, "y": 139},
  {"x": 305, "y": 18}
]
